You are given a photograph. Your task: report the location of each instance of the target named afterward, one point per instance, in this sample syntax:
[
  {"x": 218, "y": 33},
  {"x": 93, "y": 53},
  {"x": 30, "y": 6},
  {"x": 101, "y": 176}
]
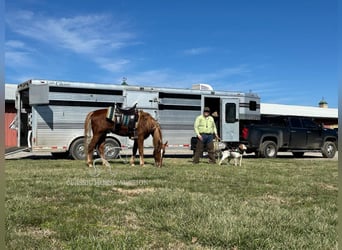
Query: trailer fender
[{"x": 270, "y": 137}]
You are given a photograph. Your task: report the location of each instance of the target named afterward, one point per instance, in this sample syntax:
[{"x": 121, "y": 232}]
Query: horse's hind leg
[
  {"x": 90, "y": 151},
  {"x": 101, "y": 150},
  {"x": 94, "y": 141}
]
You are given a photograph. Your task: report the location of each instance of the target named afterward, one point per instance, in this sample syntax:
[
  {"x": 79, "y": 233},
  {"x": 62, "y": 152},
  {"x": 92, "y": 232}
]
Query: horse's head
[{"x": 159, "y": 153}]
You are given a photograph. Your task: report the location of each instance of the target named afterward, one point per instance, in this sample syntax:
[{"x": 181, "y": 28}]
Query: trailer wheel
[
  {"x": 112, "y": 148},
  {"x": 268, "y": 149},
  {"x": 329, "y": 149},
  {"x": 77, "y": 149}
]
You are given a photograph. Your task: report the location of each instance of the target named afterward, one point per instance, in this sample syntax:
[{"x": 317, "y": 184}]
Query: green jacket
[{"x": 205, "y": 125}]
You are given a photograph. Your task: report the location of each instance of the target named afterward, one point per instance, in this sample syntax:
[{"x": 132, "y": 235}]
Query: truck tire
[
  {"x": 112, "y": 148},
  {"x": 329, "y": 149},
  {"x": 268, "y": 149},
  {"x": 77, "y": 149}
]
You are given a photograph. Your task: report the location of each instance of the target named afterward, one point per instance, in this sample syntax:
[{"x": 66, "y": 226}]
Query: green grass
[{"x": 265, "y": 204}]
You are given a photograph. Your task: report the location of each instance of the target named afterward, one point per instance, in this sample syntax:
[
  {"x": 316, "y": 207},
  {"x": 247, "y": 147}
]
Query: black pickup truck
[{"x": 298, "y": 135}]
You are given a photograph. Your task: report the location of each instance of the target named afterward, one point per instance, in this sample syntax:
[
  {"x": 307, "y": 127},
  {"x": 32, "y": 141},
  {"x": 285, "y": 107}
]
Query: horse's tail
[{"x": 87, "y": 131}]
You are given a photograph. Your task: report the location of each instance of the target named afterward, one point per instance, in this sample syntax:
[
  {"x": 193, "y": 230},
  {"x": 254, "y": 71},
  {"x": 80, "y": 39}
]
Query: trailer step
[{"x": 15, "y": 150}]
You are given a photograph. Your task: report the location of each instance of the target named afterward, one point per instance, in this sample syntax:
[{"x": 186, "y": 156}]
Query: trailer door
[
  {"x": 146, "y": 100},
  {"x": 230, "y": 120}
]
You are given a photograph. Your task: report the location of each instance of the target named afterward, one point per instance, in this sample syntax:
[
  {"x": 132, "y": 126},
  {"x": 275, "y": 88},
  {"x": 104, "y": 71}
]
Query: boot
[
  {"x": 211, "y": 152},
  {"x": 198, "y": 151}
]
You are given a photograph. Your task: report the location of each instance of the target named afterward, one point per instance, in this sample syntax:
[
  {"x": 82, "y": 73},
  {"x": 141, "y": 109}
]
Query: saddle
[
  {"x": 127, "y": 110},
  {"x": 125, "y": 119}
]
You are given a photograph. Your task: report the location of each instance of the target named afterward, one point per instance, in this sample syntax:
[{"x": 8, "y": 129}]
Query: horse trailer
[{"x": 51, "y": 114}]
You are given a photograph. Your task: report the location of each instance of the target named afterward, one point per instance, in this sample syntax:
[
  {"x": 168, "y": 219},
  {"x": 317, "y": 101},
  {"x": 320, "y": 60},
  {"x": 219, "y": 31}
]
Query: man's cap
[{"x": 206, "y": 109}]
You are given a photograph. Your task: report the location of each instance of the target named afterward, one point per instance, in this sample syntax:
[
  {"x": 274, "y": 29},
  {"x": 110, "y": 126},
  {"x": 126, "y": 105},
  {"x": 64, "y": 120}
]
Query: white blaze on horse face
[{"x": 161, "y": 157}]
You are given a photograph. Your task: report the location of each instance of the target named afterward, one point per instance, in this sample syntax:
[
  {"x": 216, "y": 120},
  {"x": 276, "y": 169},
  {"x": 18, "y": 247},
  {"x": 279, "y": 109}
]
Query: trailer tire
[
  {"x": 268, "y": 149},
  {"x": 112, "y": 148},
  {"x": 77, "y": 149},
  {"x": 329, "y": 149}
]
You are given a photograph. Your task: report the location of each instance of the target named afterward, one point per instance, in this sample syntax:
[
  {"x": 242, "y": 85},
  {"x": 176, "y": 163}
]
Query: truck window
[
  {"x": 307, "y": 123},
  {"x": 230, "y": 112},
  {"x": 295, "y": 123}
]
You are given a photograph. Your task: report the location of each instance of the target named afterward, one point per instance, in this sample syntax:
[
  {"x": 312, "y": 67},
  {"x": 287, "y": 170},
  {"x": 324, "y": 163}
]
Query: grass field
[{"x": 279, "y": 203}]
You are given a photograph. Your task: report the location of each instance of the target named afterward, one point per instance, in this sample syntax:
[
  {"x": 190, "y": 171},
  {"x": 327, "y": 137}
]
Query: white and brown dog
[{"x": 234, "y": 154}]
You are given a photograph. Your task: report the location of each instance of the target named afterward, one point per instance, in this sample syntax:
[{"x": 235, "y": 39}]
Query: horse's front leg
[
  {"x": 141, "y": 151},
  {"x": 134, "y": 152}
]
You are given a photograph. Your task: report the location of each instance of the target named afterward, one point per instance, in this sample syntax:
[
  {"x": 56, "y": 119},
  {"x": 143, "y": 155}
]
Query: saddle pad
[{"x": 111, "y": 113}]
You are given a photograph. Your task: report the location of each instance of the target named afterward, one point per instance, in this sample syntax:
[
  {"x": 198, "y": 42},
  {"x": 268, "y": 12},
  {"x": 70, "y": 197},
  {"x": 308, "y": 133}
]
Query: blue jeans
[{"x": 207, "y": 138}]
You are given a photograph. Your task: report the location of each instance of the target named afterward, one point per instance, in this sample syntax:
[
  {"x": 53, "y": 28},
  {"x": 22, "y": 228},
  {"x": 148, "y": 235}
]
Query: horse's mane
[
  {"x": 157, "y": 131},
  {"x": 147, "y": 120},
  {"x": 152, "y": 126},
  {"x": 157, "y": 135}
]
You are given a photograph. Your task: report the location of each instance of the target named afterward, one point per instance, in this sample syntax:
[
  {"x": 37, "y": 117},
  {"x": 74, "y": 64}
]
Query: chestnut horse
[{"x": 98, "y": 123}]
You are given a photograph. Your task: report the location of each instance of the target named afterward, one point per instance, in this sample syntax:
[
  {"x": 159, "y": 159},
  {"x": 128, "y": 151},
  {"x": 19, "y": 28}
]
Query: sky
[{"x": 285, "y": 51}]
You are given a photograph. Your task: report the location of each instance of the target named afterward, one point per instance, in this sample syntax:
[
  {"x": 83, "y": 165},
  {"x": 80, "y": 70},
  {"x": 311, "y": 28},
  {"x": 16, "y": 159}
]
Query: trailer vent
[{"x": 202, "y": 86}]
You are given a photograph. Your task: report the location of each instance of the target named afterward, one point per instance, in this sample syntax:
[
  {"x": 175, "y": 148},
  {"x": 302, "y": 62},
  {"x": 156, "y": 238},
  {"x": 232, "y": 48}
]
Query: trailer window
[
  {"x": 252, "y": 105},
  {"x": 230, "y": 112}
]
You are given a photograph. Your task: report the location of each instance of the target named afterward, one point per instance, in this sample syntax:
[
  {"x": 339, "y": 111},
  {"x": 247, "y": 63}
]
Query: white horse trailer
[{"x": 51, "y": 114}]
